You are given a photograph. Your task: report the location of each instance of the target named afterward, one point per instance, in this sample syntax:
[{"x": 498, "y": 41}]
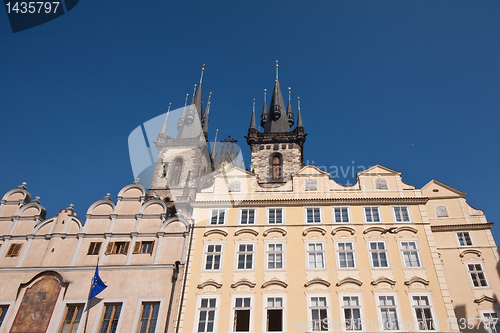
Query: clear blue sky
[{"x": 411, "y": 85}]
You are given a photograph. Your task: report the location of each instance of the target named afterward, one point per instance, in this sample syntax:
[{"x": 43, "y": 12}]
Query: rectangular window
[
  {"x": 401, "y": 214},
  {"x": 423, "y": 313},
  {"x": 110, "y": 316},
  {"x": 14, "y": 250},
  {"x": 117, "y": 248},
  {"x": 145, "y": 247},
  {"x": 441, "y": 211},
  {"x": 381, "y": 184},
  {"x": 213, "y": 257},
  {"x": 245, "y": 256},
  {"x": 372, "y": 214},
  {"x": 477, "y": 275},
  {"x": 274, "y": 312},
  {"x": 378, "y": 254},
  {"x": 313, "y": 215},
  {"x": 275, "y": 256},
  {"x": 491, "y": 322},
  {"x": 206, "y": 319},
  {"x": 275, "y": 215},
  {"x": 149, "y": 317},
  {"x": 94, "y": 248},
  {"x": 71, "y": 318},
  {"x": 242, "y": 314},
  {"x": 346, "y": 255},
  {"x": 352, "y": 313},
  {"x": 319, "y": 314},
  {"x": 218, "y": 216},
  {"x": 341, "y": 214},
  {"x": 410, "y": 254},
  {"x": 311, "y": 185},
  {"x": 3, "y": 313},
  {"x": 388, "y": 313},
  {"x": 315, "y": 253},
  {"x": 464, "y": 238},
  {"x": 247, "y": 216}
]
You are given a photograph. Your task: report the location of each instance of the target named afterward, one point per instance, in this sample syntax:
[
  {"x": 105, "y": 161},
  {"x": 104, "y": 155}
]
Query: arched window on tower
[
  {"x": 276, "y": 167},
  {"x": 176, "y": 172}
]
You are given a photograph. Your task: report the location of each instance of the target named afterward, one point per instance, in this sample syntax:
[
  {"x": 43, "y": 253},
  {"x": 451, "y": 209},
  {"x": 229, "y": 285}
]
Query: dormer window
[
  {"x": 381, "y": 184},
  {"x": 277, "y": 167}
]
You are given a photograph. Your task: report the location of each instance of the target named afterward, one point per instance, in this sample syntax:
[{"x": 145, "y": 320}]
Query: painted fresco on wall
[{"x": 37, "y": 306}]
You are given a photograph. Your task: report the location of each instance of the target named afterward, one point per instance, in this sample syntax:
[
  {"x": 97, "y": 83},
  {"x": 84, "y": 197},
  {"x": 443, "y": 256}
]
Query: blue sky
[{"x": 411, "y": 85}]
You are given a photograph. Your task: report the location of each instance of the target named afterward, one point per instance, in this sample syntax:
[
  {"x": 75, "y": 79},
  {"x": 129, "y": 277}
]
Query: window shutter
[
  {"x": 137, "y": 247},
  {"x": 11, "y": 249},
  {"x": 126, "y": 247},
  {"x": 109, "y": 248}
]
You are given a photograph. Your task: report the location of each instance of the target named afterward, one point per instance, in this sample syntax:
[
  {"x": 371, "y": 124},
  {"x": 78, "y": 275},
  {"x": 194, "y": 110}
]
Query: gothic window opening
[
  {"x": 277, "y": 167},
  {"x": 176, "y": 175}
]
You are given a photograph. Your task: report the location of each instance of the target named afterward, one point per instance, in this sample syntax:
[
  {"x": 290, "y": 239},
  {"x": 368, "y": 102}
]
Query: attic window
[
  {"x": 381, "y": 184},
  {"x": 441, "y": 211},
  {"x": 14, "y": 250},
  {"x": 311, "y": 185},
  {"x": 235, "y": 186}
]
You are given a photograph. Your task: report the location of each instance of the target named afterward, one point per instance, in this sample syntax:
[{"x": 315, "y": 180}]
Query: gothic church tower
[{"x": 277, "y": 151}]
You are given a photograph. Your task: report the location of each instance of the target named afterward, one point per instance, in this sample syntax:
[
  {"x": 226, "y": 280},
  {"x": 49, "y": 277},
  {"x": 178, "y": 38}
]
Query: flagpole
[{"x": 88, "y": 302}]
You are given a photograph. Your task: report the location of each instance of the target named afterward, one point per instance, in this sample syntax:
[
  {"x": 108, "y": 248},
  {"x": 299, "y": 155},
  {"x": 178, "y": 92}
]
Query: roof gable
[{"x": 443, "y": 190}]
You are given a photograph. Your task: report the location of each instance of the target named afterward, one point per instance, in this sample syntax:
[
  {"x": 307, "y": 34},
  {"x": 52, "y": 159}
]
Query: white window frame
[
  {"x": 240, "y": 212},
  {"x": 265, "y": 308},
  {"x": 233, "y": 309},
  {"x": 254, "y": 257},
  {"x": 361, "y": 311},
  {"x": 9, "y": 311},
  {"x": 400, "y": 241},
  {"x": 323, "y": 243},
  {"x": 282, "y": 215},
  {"x": 400, "y": 323},
  {"x": 349, "y": 219},
  {"x": 458, "y": 238},
  {"x": 210, "y": 216},
  {"x": 379, "y": 208},
  {"x": 488, "y": 286},
  {"x": 198, "y": 310},
  {"x": 205, "y": 253},
  {"x": 337, "y": 253},
  {"x": 310, "y": 325},
  {"x": 378, "y": 240},
  {"x": 266, "y": 258},
  {"x": 321, "y": 221},
  {"x": 483, "y": 312},
  {"x": 100, "y": 311},
  {"x": 61, "y": 314},
  {"x": 137, "y": 317},
  {"x": 442, "y": 216},
  {"x": 435, "y": 320},
  {"x": 408, "y": 209}
]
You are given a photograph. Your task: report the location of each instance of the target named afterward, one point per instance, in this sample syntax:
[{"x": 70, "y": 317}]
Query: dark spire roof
[
  {"x": 252, "y": 121},
  {"x": 289, "y": 111},
  {"x": 263, "y": 117},
  {"x": 299, "y": 116},
  {"x": 204, "y": 121},
  {"x": 197, "y": 96},
  {"x": 163, "y": 129},
  {"x": 277, "y": 120}
]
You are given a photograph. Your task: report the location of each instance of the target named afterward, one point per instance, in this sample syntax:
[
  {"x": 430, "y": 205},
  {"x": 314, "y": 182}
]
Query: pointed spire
[
  {"x": 263, "y": 117},
  {"x": 183, "y": 115},
  {"x": 197, "y": 95},
  {"x": 289, "y": 111},
  {"x": 277, "y": 70},
  {"x": 165, "y": 123},
  {"x": 278, "y": 121},
  {"x": 204, "y": 121},
  {"x": 252, "y": 121},
  {"x": 299, "y": 116},
  {"x": 214, "y": 147}
]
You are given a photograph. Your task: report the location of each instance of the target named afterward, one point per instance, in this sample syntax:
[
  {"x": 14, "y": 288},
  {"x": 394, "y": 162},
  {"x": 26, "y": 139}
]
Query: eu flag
[{"x": 97, "y": 284}]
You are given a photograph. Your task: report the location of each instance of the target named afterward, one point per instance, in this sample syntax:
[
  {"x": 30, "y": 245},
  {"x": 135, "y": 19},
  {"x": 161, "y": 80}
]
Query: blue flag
[{"x": 97, "y": 284}]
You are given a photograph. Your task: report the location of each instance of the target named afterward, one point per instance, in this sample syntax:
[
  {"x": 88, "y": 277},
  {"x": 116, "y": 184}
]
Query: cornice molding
[
  {"x": 308, "y": 201},
  {"x": 314, "y": 229},
  {"x": 246, "y": 231},
  {"x": 317, "y": 281},
  {"x": 243, "y": 282},
  {"x": 209, "y": 283},
  {"x": 277, "y": 230},
  {"x": 458, "y": 227},
  {"x": 486, "y": 298},
  {"x": 343, "y": 228},
  {"x": 215, "y": 232},
  {"x": 274, "y": 282},
  {"x": 373, "y": 229},
  {"x": 406, "y": 228},
  {"x": 383, "y": 280},
  {"x": 470, "y": 251},
  {"x": 349, "y": 280},
  {"x": 416, "y": 279}
]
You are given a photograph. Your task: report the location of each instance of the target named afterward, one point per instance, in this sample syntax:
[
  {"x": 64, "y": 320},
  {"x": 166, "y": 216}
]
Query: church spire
[
  {"x": 197, "y": 95},
  {"x": 204, "y": 121},
  {"x": 299, "y": 116},
  {"x": 165, "y": 123},
  {"x": 278, "y": 121},
  {"x": 289, "y": 111},
  {"x": 252, "y": 121},
  {"x": 183, "y": 115},
  {"x": 263, "y": 118}
]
